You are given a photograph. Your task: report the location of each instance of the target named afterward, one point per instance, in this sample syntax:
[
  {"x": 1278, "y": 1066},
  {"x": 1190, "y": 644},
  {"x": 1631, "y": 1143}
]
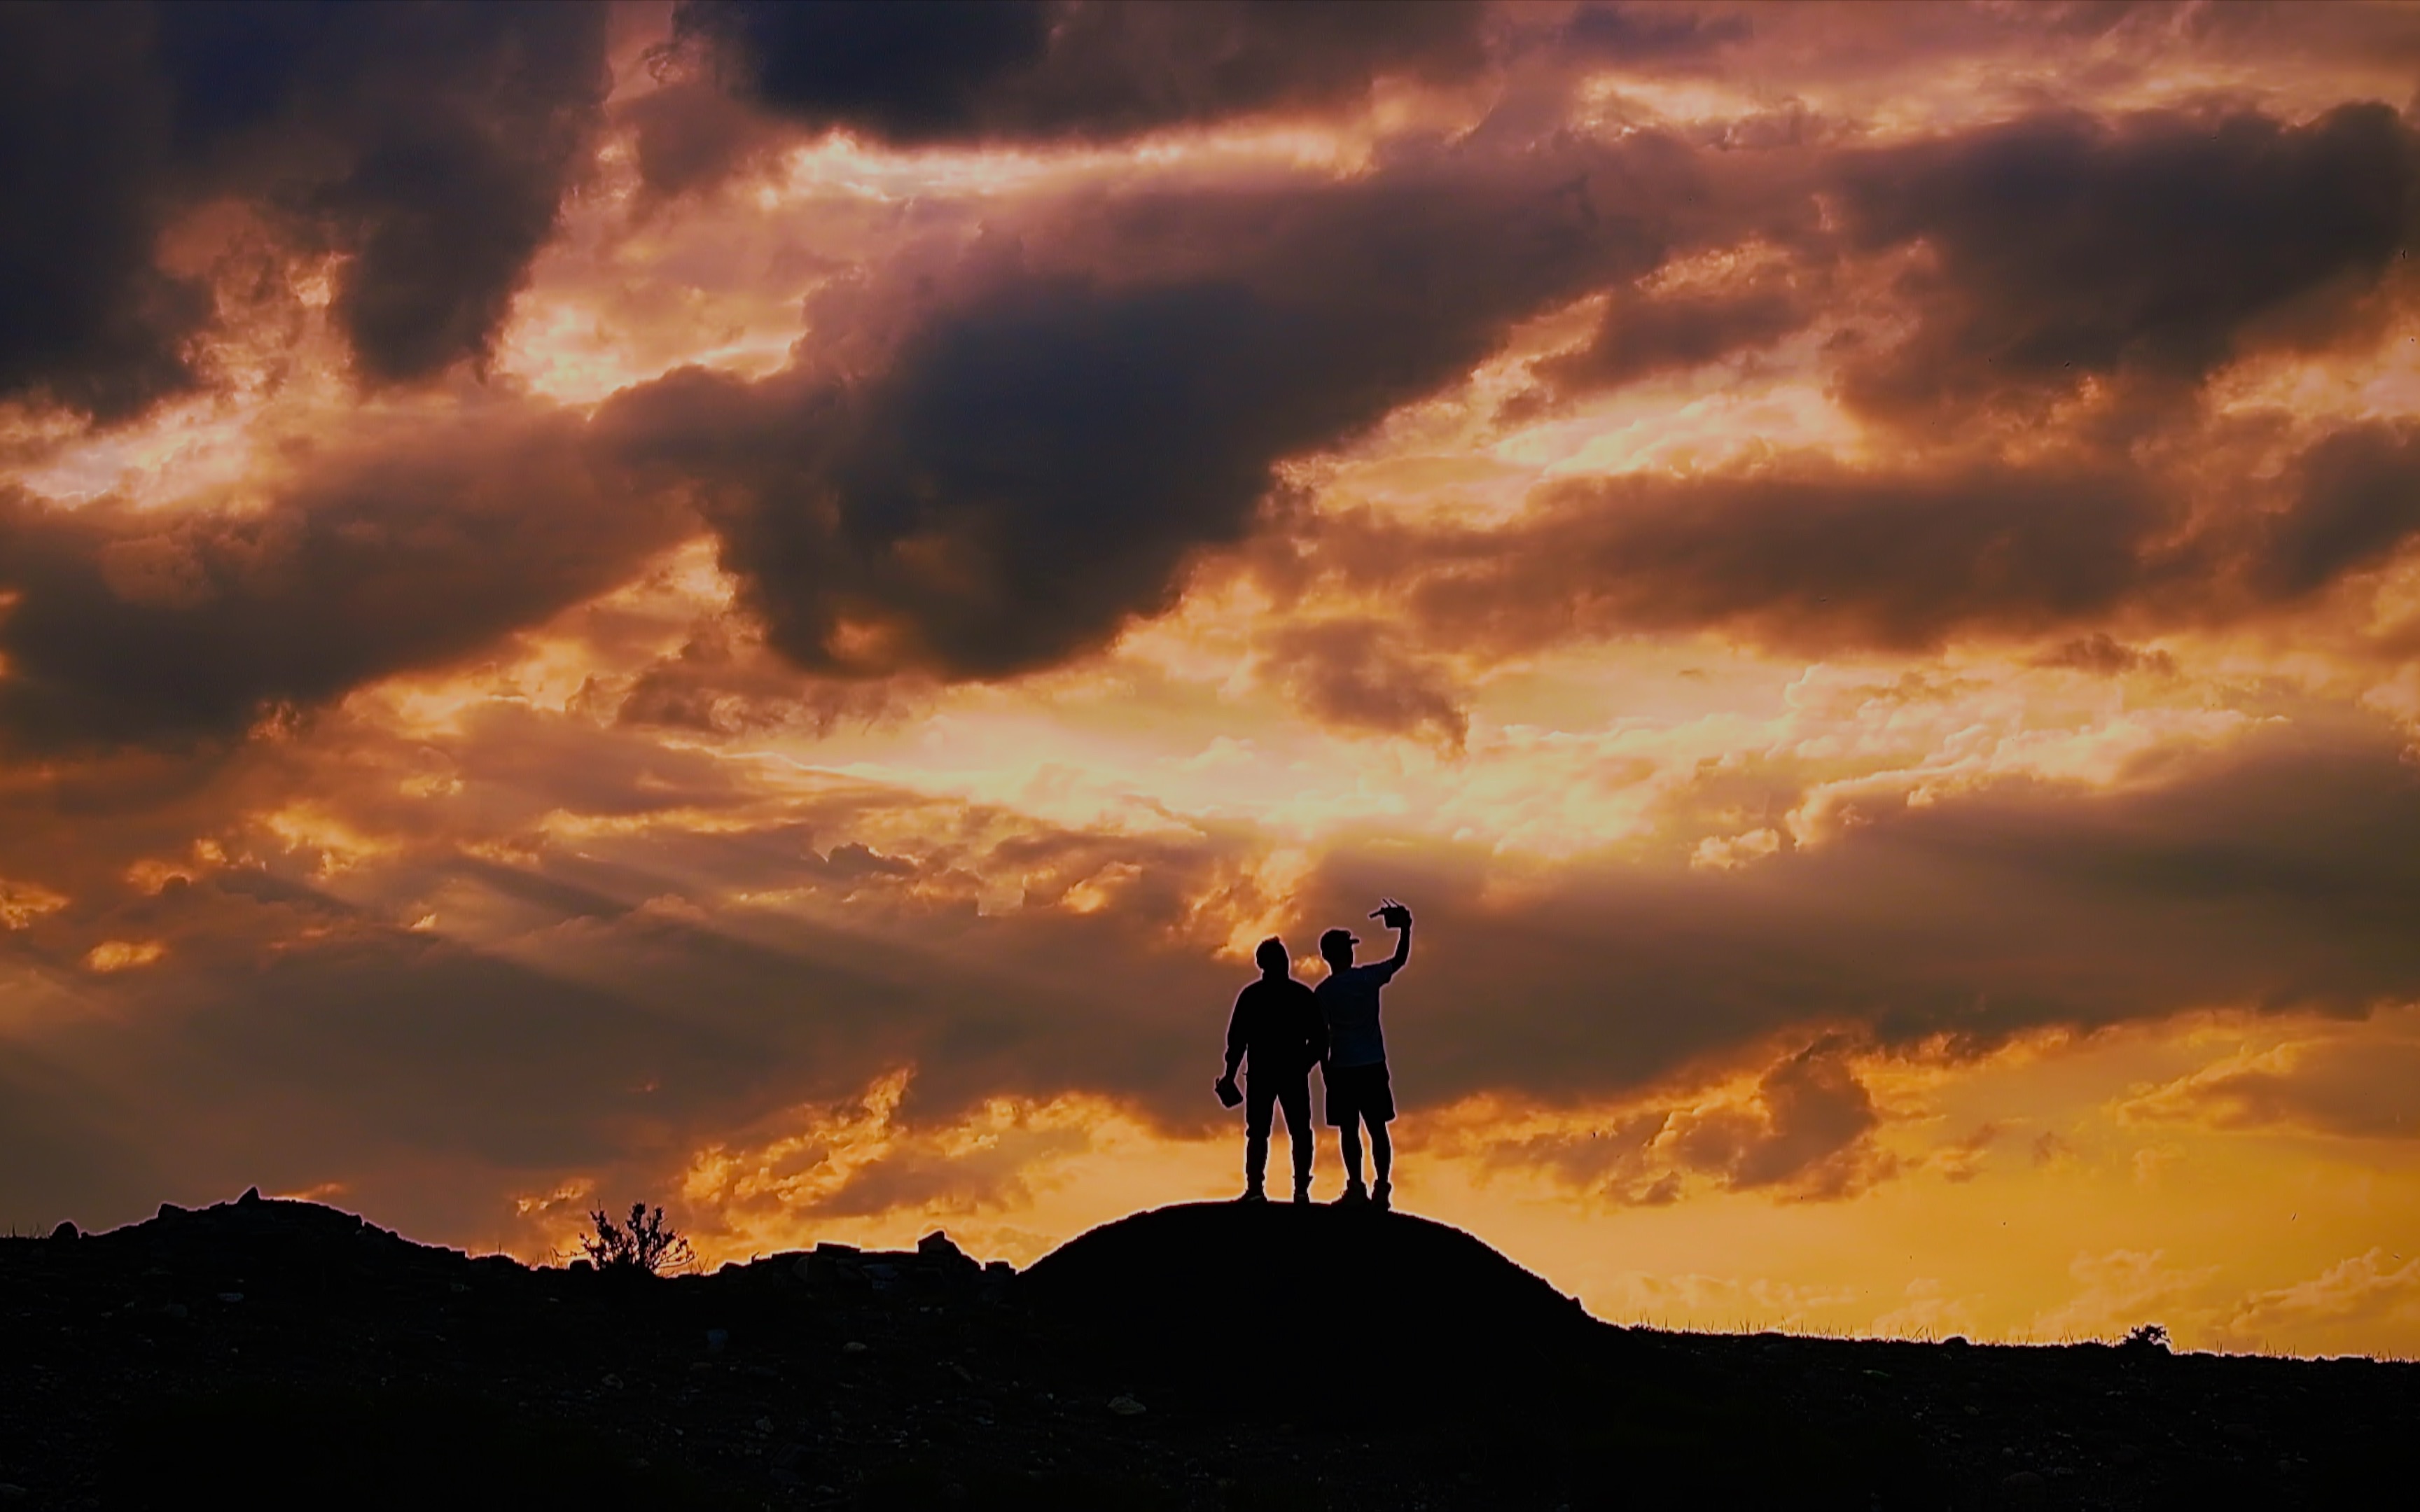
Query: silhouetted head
[
  {"x": 1336, "y": 947},
  {"x": 1272, "y": 957}
]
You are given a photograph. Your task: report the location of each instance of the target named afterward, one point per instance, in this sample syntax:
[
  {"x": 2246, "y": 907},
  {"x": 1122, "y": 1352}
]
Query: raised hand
[{"x": 1392, "y": 913}]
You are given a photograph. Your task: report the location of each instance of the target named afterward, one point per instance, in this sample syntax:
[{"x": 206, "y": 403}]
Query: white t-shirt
[{"x": 1350, "y": 999}]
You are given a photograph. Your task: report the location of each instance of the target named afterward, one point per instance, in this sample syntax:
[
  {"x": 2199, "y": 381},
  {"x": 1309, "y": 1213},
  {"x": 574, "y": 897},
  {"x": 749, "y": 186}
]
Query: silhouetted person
[
  {"x": 1355, "y": 1067},
  {"x": 1278, "y": 1024}
]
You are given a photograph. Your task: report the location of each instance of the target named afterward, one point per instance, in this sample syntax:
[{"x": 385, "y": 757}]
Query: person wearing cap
[
  {"x": 1278, "y": 1025},
  {"x": 1355, "y": 1067}
]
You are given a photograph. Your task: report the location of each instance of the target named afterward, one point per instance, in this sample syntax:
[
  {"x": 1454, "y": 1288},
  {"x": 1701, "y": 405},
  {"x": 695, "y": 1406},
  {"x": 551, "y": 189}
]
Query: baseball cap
[{"x": 1336, "y": 936}]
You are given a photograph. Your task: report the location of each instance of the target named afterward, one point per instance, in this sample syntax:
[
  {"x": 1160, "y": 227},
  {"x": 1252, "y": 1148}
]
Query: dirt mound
[{"x": 1207, "y": 1289}]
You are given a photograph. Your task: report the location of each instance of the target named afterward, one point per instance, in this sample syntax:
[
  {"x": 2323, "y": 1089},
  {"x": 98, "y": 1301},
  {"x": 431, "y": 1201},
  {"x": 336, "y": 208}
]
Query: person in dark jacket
[{"x": 1278, "y": 1027}]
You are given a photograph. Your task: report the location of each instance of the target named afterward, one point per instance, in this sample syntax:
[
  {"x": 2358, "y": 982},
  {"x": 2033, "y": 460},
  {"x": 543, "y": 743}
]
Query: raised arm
[{"x": 1399, "y": 918}]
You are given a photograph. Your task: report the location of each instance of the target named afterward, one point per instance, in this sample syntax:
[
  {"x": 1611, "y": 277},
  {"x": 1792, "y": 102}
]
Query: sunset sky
[{"x": 756, "y": 609}]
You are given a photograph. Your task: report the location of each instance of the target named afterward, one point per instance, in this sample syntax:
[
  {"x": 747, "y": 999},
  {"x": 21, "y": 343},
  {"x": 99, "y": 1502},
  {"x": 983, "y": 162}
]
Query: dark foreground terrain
[{"x": 1196, "y": 1357}]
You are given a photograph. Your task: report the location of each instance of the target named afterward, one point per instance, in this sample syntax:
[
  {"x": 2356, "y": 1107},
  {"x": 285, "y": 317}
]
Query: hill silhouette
[
  {"x": 1214, "y": 1357},
  {"x": 1205, "y": 1284}
]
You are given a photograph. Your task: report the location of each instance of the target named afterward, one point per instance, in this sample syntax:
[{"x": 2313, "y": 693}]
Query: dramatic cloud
[
  {"x": 722, "y": 681},
  {"x": 1351, "y": 674},
  {"x": 1650, "y": 332},
  {"x": 1803, "y": 554},
  {"x": 2366, "y": 1091},
  {"x": 607, "y": 1020},
  {"x": 402, "y": 551},
  {"x": 967, "y": 498},
  {"x": 1803, "y": 1131},
  {"x": 1632, "y": 35},
  {"x": 860, "y": 1162},
  {"x": 1070, "y": 70},
  {"x": 2105, "y": 654},
  {"x": 427, "y": 148},
  {"x": 1808, "y": 1128},
  {"x": 2356, "y": 500},
  {"x": 2063, "y": 248},
  {"x": 1826, "y": 557},
  {"x": 2041, "y": 904},
  {"x": 2021, "y": 264},
  {"x": 1041, "y": 455},
  {"x": 645, "y": 990}
]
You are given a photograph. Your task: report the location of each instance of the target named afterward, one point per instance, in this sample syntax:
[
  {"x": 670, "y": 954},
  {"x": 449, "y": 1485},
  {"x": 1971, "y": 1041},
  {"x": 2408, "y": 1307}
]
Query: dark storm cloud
[
  {"x": 2356, "y": 501},
  {"x": 2151, "y": 248},
  {"x": 1644, "y": 334},
  {"x": 399, "y": 553},
  {"x": 85, "y": 319},
  {"x": 1053, "y": 431},
  {"x": 2106, "y": 655},
  {"x": 1066, "y": 71},
  {"x": 907, "y": 72},
  {"x": 1026, "y": 478},
  {"x": 1632, "y": 35},
  {"x": 722, "y": 681},
  {"x": 1824, "y": 557},
  {"x": 1057, "y": 433},
  {"x": 1810, "y": 555},
  {"x": 430, "y": 145},
  {"x": 1356, "y": 675},
  {"x": 691, "y": 134}
]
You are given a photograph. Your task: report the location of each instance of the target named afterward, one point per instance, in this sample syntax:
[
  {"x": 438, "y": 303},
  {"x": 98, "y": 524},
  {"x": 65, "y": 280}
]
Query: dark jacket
[{"x": 1278, "y": 1023}]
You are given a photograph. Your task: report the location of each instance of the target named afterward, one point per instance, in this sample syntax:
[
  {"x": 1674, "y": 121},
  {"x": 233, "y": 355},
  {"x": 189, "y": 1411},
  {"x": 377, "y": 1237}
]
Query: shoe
[
  {"x": 1355, "y": 1195},
  {"x": 1301, "y": 1193},
  {"x": 1253, "y": 1193},
  {"x": 1384, "y": 1195}
]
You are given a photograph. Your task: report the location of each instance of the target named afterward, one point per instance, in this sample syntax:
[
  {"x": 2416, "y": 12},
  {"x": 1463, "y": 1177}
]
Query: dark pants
[{"x": 1292, "y": 1093}]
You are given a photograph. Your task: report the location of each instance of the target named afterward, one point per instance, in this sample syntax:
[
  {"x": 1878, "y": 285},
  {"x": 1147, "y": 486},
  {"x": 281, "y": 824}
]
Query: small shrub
[
  {"x": 647, "y": 1243},
  {"x": 2147, "y": 1336}
]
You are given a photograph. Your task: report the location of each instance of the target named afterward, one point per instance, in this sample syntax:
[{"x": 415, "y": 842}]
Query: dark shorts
[{"x": 1360, "y": 1093}]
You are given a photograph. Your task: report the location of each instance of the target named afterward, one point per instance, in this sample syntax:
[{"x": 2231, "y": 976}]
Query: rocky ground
[{"x": 1191, "y": 1358}]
